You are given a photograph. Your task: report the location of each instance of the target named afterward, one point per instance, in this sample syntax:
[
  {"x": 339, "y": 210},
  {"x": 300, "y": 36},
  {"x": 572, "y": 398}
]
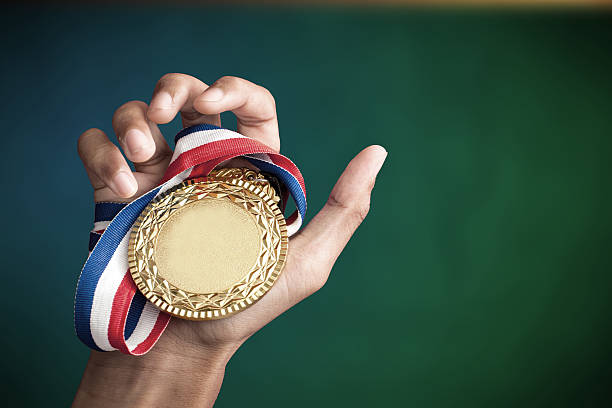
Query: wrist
[{"x": 184, "y": 376}]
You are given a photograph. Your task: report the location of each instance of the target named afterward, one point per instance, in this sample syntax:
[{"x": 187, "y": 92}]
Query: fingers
[
  {"x": 105, "y": 164},
  {"x": 252, "y": 104},
  {"x": 140, "y": 139},
  {"x": 198, "y": 103},
  {"x": 316, "y": 248},
  {"x": 174, "y": 93}
]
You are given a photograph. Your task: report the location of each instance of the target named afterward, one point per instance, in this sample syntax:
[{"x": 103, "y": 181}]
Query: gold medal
[{"x": 208, "y": 248}]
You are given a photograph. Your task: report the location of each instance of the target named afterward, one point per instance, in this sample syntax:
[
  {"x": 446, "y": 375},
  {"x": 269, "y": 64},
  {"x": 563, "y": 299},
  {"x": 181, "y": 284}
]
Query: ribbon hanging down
[{"x": 109, "y": 311}]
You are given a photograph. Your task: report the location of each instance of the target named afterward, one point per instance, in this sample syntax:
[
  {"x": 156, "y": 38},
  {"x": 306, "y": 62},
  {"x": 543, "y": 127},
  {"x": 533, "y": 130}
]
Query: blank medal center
[{"x": 207, "y": 246}]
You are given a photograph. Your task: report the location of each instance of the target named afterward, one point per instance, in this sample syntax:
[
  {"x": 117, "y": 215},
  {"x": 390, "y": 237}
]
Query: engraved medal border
[{"x": 209, "y": 306}]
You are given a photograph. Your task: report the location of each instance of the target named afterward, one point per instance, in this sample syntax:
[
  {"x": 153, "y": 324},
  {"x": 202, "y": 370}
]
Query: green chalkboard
[{"x": 481, "y": 277}]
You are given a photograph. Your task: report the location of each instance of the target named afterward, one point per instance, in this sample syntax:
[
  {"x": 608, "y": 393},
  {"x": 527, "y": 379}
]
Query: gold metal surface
[{"x": 209, "y": 247}]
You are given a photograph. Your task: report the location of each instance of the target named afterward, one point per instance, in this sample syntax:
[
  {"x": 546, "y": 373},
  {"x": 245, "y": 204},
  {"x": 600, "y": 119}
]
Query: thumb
[{"x": 328, "y": 232}]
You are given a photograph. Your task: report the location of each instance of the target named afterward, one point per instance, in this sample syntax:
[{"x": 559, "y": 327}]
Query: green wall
[{"x": 482, "y": 275}]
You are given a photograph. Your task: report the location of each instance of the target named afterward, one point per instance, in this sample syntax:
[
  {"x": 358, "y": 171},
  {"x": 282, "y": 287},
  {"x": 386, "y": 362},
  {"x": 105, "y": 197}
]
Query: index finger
[
  {"x": 253, "y": 105},
  {"x": 174, "y": 93}
]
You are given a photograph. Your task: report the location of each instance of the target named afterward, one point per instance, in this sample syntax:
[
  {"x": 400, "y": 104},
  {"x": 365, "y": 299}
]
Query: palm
[{"x": 237, "y": 327}]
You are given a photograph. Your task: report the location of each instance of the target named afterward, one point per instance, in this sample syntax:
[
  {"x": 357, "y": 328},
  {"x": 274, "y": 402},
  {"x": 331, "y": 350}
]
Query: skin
[{"x": 199, "y": 351}]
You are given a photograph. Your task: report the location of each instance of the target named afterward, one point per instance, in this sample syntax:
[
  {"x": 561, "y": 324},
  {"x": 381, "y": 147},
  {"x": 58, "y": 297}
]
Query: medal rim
[{"x": 234, "y": 306}]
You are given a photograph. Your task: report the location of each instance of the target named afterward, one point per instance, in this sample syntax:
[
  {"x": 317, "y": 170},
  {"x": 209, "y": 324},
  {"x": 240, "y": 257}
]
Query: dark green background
[{"x": 481, "y": 276}]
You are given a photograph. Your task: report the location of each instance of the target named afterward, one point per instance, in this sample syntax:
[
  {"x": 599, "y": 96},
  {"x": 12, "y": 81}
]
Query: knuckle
[
  {"x": 361, "y": 210},
  {"x": 131, "y": 105},
  {"x": 263, "y": 103},
  {"x": 174, "y": 78},
  {"x": 267, "y": 98},
  {"x": 97, "y": 155},
  {"x": 357, "y": 208},
  {"x": 230, "y": 81},
  {"x": 267, "y": 95},
  {"x": 85, "y": 138},
  {"x": 169, "y": 77},
  {"x": 166, "y": 81},
  {"x": 176, "y": 83},
  {"x": 128, "y": 109}
]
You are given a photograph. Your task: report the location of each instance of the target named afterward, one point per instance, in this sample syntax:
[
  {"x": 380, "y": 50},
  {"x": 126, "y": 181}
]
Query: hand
[{"x": 312, "y": 252}]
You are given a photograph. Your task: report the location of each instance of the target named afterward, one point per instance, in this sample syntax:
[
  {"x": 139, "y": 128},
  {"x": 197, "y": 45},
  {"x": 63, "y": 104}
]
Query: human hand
[{"x": 312, "y": 252}]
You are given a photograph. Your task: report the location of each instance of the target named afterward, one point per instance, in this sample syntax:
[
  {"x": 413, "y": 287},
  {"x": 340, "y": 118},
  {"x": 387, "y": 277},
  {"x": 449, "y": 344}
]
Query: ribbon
[{"x": 109, "y": 311}]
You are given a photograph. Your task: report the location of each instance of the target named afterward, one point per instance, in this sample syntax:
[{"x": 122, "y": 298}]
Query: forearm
[{"x": 158, "y": 379}]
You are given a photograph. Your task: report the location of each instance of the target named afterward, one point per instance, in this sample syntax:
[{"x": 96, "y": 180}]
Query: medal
[
  {"x": 204, "y": 244},
  {"x": 209, "y": 247}
]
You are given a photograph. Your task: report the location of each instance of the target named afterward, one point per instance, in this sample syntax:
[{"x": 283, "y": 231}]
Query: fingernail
[
  {"x": 212, "y": 95},
  {"x": 124, "y": 184},
  {"x": 381, "y": 158},
  {"x": 163, "y": 100},
  {"x": 136, "y": 142}
]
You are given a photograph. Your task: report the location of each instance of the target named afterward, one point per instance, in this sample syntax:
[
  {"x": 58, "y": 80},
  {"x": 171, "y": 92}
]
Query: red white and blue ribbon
[{"x": 109, "y": 311}]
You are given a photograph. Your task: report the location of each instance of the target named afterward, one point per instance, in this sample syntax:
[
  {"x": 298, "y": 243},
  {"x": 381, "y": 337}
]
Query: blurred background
[{"x": 481, "y": 276}]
